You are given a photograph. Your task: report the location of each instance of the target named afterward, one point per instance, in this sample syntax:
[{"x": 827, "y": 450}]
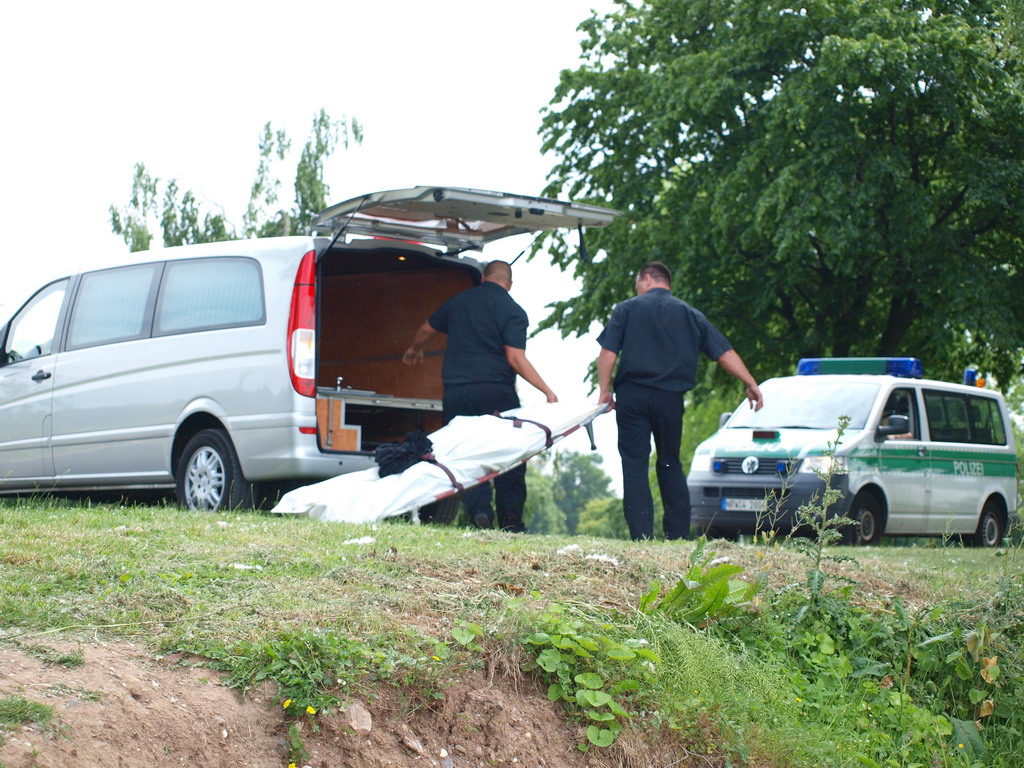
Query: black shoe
[{"x": 482, "y": 520}]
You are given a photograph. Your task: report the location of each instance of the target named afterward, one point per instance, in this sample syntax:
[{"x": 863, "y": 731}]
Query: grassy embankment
[{"x": 888, "y": 661}]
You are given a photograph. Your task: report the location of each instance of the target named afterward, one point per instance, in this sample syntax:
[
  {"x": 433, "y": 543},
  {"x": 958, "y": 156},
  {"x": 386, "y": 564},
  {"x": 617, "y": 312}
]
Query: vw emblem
[{"x": 750, "y": 465}]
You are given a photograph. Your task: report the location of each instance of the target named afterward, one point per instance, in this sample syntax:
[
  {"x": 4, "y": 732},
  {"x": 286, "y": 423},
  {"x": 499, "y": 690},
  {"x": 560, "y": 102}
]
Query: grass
[
  {"x": 16, "y": 711},
  {"x": 305, "y": 604}
]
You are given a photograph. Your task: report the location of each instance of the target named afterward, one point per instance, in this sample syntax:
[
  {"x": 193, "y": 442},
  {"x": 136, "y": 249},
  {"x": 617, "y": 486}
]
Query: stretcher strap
[
  {"x": 517, "y": 423},
  {"x": 429, "y": 458}
]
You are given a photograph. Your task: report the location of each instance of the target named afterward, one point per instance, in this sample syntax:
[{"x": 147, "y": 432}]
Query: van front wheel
[
  {"x": 868, "y": 524},
  {"x": 209, "y": 475},
  {"x": 990, "y": 526}
]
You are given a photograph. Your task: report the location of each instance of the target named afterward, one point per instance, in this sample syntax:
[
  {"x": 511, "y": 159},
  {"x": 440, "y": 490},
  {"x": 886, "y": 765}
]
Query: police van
[{"x": 917, "y": 458}]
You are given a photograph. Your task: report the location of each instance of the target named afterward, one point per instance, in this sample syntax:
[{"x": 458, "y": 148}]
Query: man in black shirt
[
  {"x": 655, "y": 338},
  {"x": 486, "y": 348}
]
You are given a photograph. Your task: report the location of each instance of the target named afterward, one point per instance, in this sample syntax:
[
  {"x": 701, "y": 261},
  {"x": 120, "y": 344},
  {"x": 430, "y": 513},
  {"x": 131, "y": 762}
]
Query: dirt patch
[{"x": 124, "y": 709}]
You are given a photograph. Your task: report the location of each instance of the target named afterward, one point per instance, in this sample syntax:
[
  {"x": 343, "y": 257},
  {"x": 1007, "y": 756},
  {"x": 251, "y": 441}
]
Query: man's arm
[
  {"x": 731, "y": 363},
  {"x": 605, "y": 365},
  {"x": 414, "y": 354},
  {"x": 521, "y": 365}
]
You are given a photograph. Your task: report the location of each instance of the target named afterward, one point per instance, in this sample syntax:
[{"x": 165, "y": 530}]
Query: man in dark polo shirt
[
  {"x": 486, "y": 348},
  {"x": 655, "y": 338}
]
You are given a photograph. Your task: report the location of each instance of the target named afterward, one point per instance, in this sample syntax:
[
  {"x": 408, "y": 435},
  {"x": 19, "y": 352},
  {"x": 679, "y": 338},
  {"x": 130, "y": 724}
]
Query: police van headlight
[
  {"x": 701, "y": 462},
  {"x": 822, "y": 465}
]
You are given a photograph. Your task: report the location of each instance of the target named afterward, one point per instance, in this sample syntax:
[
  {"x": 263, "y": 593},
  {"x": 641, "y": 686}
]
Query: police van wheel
[
  {"x": 868, "y": 525},
  {"x": 990, "y": 526},
  {"x": 209, "y": 476}
]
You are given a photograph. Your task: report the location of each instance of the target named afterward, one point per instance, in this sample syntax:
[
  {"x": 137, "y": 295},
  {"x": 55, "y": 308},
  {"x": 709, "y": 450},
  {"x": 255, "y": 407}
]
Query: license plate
[{"x": 743, "y": 505}]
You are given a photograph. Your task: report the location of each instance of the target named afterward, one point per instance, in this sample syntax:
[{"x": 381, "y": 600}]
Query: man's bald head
[{"x": 499, "y": 272}]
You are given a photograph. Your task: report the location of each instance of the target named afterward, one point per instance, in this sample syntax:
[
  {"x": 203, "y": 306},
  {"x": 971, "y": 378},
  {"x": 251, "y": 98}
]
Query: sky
[{"x": 448, "y": 93}]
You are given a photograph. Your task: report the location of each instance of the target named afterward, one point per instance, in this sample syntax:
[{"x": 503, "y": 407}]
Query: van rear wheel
[
  {"x": 209, "y": 476},
  {"x": 990, "y": 526},
  {"x": 868, "y": 525}
]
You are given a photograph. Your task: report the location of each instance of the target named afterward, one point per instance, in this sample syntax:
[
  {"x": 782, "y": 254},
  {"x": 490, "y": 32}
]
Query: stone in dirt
[{"x": 359, "y": 719}]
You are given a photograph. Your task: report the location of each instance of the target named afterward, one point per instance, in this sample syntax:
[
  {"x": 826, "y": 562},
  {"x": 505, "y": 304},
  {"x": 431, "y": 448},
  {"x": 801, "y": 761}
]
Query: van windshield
[{"x": 808, "y": 402}]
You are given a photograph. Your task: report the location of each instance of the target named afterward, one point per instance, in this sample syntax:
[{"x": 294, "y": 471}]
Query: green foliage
[
  {"x": 578, "y": 479},
  {"x": 541, "y": 514},
  {"x": 315, "y": 668},
  {"x": 603, "y": 518},
  {"x": 845, "y": 171},
  {"x": 69, "y": 659},
  {"x": 815, "y": 516},
  {"x": 16, "y": 711},
  {"x": 179, "y": 216},
  {"x": 588, "y": 669},
  {"x": 910, "y": 687},
  {"x": 467, "y": 634},
  {"x": 706, "y": 593}
]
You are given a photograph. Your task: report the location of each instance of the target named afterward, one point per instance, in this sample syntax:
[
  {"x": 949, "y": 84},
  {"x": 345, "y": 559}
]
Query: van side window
[
  {"x": 33, "y": 329},
  {"x": 955, "y": 418},
  {"x": 113, "y": 305},
  {"x": 200, "y": 294},
  {"x": 903, "y": 402},
  {"x": 986, "y": 421},
  {"x": 947, "y": 417}
]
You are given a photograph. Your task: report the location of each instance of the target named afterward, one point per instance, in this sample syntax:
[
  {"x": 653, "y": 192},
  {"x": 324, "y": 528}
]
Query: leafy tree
[
  {"x": 577, "y": 478},
  {"x": 834, "y": 177},
  {"x": 603, "y": 518},
  {"x": 178, "y": 213},
  {"x": 541, "y": 514}
]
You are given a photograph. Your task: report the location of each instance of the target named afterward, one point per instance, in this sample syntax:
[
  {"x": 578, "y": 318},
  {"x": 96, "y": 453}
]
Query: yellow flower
[
  {"x": 287, "y": 703},
  {"x": 959, "y": 746},
  {"x": 436, "y": 658},
  {"x": 292, "y": 765},
  {"x": 799, "y": 699},
  {"x": 310, "y": 710}
]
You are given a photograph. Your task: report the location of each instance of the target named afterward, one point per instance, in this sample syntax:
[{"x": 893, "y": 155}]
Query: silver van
[{"x": 225, "y": 369}]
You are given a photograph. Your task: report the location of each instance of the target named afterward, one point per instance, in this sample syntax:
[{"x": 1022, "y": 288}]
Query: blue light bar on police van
[{"x": 905, "y": 367}]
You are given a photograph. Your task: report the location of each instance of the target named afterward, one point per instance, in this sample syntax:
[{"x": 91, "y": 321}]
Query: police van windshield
[{"x": 808, "y": 402}]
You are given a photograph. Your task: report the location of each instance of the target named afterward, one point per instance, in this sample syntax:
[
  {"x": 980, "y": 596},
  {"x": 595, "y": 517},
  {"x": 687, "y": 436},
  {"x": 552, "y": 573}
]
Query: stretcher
[{"x": 468, "y": 451}]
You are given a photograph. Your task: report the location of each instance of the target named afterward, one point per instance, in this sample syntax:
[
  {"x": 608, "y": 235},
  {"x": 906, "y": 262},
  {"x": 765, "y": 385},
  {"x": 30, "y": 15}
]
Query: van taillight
[{"x": 302, "y": 328}]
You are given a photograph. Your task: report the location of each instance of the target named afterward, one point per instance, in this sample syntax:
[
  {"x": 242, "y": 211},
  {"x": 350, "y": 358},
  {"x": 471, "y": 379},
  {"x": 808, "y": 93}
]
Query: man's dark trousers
[
  {"x": 510, "y": 487},
  {"x": 640, "y": 412}
]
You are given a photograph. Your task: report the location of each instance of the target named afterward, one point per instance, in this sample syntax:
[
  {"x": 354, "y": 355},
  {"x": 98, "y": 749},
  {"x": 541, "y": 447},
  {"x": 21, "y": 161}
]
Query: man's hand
[
  {"x": 605, "y": 365},
  {"x": 414, "y": 354},
  {"x": 754, "y": 396},
  {"x": 732, "y": 364}
]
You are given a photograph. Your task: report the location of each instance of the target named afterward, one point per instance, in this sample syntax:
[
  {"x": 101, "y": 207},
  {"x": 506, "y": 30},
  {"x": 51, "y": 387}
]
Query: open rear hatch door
[{"x": 453, "y": 218}]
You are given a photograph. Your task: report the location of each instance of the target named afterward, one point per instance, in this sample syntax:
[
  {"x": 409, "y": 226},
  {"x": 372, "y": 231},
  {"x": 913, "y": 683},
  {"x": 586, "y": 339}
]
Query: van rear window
[
  {"x": 202, "y": 294},
  {"x": 806, "y": 402}
]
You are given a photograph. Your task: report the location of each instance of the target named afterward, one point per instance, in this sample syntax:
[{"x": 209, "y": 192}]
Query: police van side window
[
  {"x": 113, "y": 305},
  {"x": 958, "y": 418},
  {"x": 986, "y": 421},
  {"x": 203, "y": 294},
  {"x": 34, "y": 328},
  {"x": 947, "y": 417}
]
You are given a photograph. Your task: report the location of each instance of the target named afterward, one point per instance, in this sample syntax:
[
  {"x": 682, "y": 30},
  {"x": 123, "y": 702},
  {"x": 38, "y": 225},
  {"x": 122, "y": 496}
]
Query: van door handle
[
  {"x": 922, "y": 451},
  {"x": 41, "y": 376}
]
